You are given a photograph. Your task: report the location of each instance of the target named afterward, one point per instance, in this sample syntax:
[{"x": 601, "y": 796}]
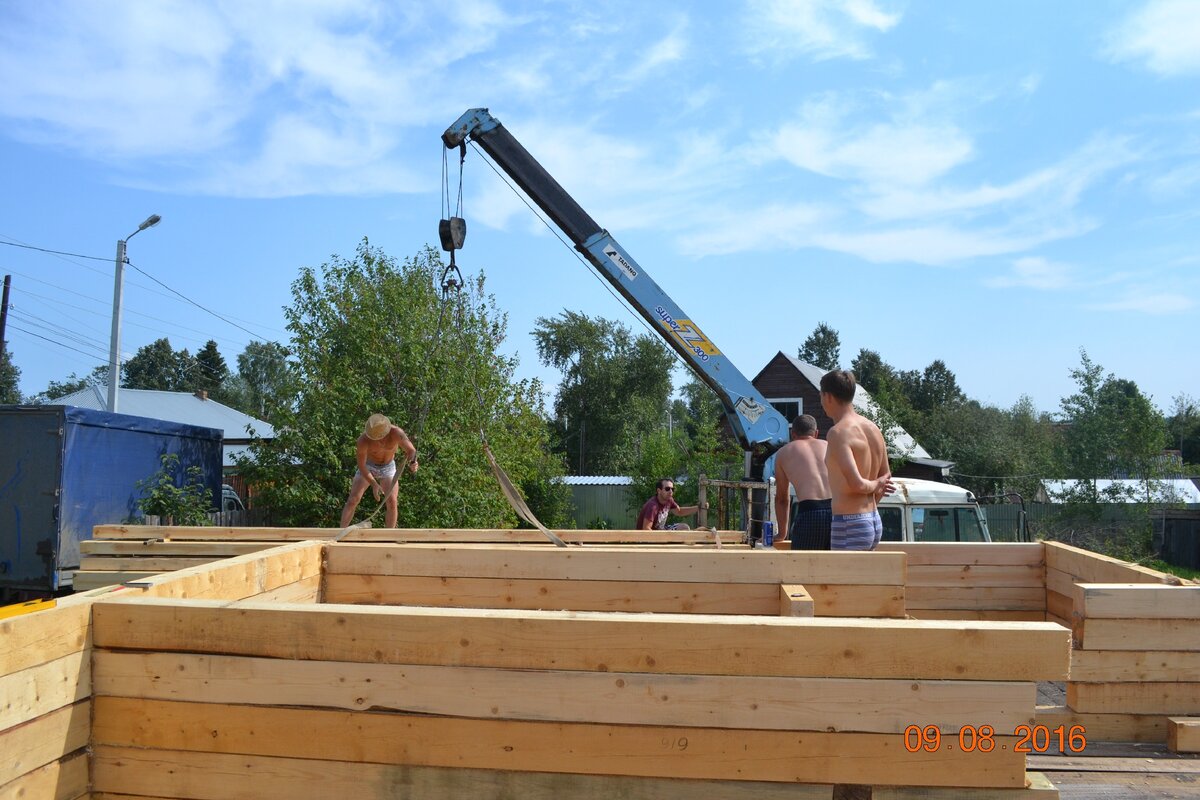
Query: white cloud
[
  {"x": 1164, "y": 35},
  {"x": 1149, "y": 303},
  {"x": 942, "y": 244},
  {"x": 667, "y": 50},
  {"x": 1035, "y": 273},
  {"x": 817, "y": 29}
]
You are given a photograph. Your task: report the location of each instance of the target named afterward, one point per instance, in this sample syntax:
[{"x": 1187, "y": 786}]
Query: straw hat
[{"x": 378, "y": 426}]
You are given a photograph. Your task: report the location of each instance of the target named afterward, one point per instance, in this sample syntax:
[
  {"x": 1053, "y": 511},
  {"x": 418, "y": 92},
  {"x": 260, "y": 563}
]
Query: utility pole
[
  {"x": 4, "y": 311},
  {"x": 114, "y": 353}
]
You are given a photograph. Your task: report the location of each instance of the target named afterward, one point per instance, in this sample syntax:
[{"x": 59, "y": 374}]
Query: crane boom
[{"x": 754, "y": 421}]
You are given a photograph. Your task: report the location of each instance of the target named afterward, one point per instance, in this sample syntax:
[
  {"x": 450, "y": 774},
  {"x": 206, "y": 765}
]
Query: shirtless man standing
[
  {"x": 859, "y": 474},
  {"x": 377, "y": 448},
  {"x": 801, "y": 464}
]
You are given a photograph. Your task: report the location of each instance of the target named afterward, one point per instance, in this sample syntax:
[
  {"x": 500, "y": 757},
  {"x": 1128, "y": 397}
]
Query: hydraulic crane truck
[{"x": 760, "y": 428}]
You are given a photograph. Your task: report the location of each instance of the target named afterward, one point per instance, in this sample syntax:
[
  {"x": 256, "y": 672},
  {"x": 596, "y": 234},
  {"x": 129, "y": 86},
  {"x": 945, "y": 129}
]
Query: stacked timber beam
[
  {"x": 122, "y": 553},
  {"x": 46, "y": 667},
  {"x": 457, "y": 701},
  {"x": 993, "y": 581}
]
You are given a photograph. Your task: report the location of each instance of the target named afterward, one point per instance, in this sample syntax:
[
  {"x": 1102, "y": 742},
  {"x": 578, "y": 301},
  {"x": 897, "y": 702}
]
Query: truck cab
[{"x": 928, "y": 511}]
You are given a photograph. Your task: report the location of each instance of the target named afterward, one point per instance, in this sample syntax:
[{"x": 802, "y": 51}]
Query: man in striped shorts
[{"x": 857, "y": 461}]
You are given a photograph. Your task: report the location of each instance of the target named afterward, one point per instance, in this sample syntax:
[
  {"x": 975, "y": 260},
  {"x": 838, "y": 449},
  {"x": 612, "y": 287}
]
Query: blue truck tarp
[{"x": 65, "y": 469}]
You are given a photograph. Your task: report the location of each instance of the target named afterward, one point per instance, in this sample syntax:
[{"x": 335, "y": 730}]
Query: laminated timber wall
[
  {"x": 206, "y": 698},
  {"x": 120, "y": 553},
  {"x": 46, "y": 665}
]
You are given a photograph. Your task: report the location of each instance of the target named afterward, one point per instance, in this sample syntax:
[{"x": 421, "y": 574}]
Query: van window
[
  {"x": 946, "y": 525},
  {"x": 893, "y": 524}
]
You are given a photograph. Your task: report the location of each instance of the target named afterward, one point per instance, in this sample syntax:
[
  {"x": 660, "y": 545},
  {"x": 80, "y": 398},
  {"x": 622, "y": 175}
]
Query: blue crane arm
[{"x": 754, "y": 420}]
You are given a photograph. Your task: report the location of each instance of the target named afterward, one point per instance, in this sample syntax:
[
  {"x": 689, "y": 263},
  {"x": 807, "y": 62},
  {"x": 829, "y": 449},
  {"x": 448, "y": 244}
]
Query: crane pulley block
[{"x": 453, "y": 233}]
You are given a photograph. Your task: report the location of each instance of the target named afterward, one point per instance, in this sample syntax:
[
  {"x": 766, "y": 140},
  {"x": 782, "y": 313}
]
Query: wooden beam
[
  {"x": 699, "y": 565},
  {"x": 43, "y": 740},
  {"x": 305, "y": 590},
  {"x": 1183, "y": 734},
  {"x": 1106, "y": 727},
  {"x": 1060, "y": 606},
  {"x": 174, "y": 547},
  {"x": 32, "y": 692},
  {"x": 1091, "y": 567},
  {"x": 1024, "y": 598},
  {"x": 993, "y": 554},
  {"x": 1138, "y": 634},
  {"x": 66, "y": 779},
  {"x": 1037, "y": 787},
  {"x": 794, "y": 601},
  {"x": 1134, "y": 698},
  {"x": 1146, "y": 666},
  {"x": 657, "y": 643},
  {"x": 1137, "y": 600},
  {"x": 641, "y": 750},
  {"x": 976, "y": 614},
  {"x": 161, "y": 774},
  {"x": 435, "y": 535},
  {"x": 1011, "y": 576},
  {"x": 87, "y": 580},
  {"x": 814, "y": 704},
  {"x": 43, "y": 636},
  {"x": 151, "y": 564},
  {"x": 241, "y": 576}
]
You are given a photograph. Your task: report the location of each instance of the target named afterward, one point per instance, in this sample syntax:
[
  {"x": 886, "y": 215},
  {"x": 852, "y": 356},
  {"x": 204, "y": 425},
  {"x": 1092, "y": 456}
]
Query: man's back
[
  {"x": 802, "y": 462},
  {"x": 854, "y": 441}
]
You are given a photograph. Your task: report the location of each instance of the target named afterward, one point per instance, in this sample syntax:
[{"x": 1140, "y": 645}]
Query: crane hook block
[{"x": 453, "y": 233}]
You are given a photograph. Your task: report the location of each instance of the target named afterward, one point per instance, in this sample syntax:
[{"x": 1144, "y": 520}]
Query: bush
[{"x": 188, "y": 504}]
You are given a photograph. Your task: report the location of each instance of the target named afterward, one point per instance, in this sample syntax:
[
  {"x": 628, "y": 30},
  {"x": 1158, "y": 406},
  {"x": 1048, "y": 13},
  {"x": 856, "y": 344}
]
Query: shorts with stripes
[
  {"x": 856, "y": 531},
  {"x": 808, "y": 526}
]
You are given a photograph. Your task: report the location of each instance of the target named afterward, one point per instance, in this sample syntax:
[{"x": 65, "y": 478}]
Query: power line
[
  {"x": 51, "y": 341},
  {"x": 193, "y": 302},
  {"x": 54, "y": 252}
]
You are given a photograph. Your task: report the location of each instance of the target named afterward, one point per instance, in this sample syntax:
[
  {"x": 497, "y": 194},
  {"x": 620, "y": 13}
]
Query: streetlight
[{"x": 114, "y": 354}]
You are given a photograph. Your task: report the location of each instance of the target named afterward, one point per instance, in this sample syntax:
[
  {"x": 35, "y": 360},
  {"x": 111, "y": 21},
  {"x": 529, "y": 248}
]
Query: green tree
[
  {"x": 872, "y": 372},
  {"x": 10, "y": 377},
  {"x": 614, "y": 390},
  {"x": 263, "y": 385},
  {"x": 158, "y": 366},
  {"x": 1183, "y": 427},
  {"x": 176, "y": 501},
  {"x": 370, "y": 334},
  {"x": 822, "y": 348},
  {"x": 209, "y": 372},
  {"x": 73, "y": 383}
]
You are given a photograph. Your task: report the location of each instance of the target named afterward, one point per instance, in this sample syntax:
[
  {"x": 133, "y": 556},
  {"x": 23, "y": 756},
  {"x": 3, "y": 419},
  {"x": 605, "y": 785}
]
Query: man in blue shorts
[{"x": 857, "y": 462}]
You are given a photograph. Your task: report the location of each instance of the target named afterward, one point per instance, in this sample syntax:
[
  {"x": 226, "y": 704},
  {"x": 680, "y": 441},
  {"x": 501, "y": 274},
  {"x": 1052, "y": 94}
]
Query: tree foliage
[
  {"x": 176, "y": 502},
  {"x": 10, "y": 377},
  {"x": 263, "y": 384},
  {"x": 370, "y": 334},
  {"x": 209, "y": 371},
  {"x": 73, "y": 383},
  {"x": 822, "y": 348},
  {"x": 158, "y": 366},
  {"x": 613, "y": 394},
  {"x": 1183, "y": 427}
]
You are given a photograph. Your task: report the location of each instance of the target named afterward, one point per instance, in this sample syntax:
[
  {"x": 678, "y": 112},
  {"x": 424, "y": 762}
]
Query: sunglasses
[{"x": 668, "y": 488}]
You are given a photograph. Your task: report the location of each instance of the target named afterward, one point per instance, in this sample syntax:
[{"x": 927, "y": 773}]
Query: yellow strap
[{"x": 17, "y": 609}]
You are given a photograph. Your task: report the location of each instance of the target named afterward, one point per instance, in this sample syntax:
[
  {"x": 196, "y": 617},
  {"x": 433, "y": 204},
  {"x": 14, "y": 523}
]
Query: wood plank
[
  {"x": 241, "y": 576},
  {"x": 649, "y": 751},
  {"x": 824, "y": 704},
  {"x": 1038, "y": 787},
  {"x": 1107, "y": 727},
  {"x": 1123, "y": 786},
  {"x": 1183, "y": 734},
  {"x": 593, "y": 641},
  {"x": 173, "y": 547},
  {"x": 151, "y": 564},
  {"x": 44, "y": 636},
  {"x": 1138, "y": 763},
  {"x": 971, "y": 553},
  {"x": 88, "y": 580},
  {"x": 66, "y": 779},
  {"x": 32, "y": 692},
  {"x": 1025, "y": 598},
  {"x": 1135, "y": 698},
  {"x": 853, "y": 600},
  {"x": 795, "y": 601},
  {"x": 44, "y": 740},
  {"x": 162, "y": 774},
  {"x": 1066, "y": 623},
  {"x": 1011, "y": 576},
  {"x": 639, "y": 564},
  {"x": 1146, "y": 666},
  {"x": 1059, "y": 605},
  {"x": 305, "y": 590},
  {"x": 1137, "y": 600},
  {"x": 1061, "y": 582},
  {"x": 1138, "y": 634},
  {"x": 976, "y": 615},
  {"x": 532, "y": 594},
  {"x": 436, "y": 535},
  {"x": 1092, "y": 567}
]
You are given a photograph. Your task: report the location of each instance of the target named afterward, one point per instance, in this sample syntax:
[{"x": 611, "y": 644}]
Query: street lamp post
[{"x": 114, "y": 353}]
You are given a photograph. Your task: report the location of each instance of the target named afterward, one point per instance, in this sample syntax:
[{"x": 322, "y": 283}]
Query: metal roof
[
  {"x": 597, "y": 480},
  {"x": 1162, "y": 490}
]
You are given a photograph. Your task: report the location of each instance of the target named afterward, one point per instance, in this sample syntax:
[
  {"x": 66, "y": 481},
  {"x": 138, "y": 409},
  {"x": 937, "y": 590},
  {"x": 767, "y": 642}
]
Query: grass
[{"x": 1171, "y": 569}]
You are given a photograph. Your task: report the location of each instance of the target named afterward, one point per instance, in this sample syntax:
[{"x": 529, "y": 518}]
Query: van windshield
[{"x": 946, "y": 525}]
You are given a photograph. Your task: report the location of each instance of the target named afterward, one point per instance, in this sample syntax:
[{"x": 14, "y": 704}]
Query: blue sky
[{"x": 993, "y": 184}]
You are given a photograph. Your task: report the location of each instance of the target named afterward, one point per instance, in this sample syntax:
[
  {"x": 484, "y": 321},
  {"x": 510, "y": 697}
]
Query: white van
[{"x": 928, "y": 511}]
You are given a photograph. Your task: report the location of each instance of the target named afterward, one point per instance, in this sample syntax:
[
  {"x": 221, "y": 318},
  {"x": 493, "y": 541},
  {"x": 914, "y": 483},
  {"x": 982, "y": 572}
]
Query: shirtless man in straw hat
[{"x": 377, "y": 465}]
